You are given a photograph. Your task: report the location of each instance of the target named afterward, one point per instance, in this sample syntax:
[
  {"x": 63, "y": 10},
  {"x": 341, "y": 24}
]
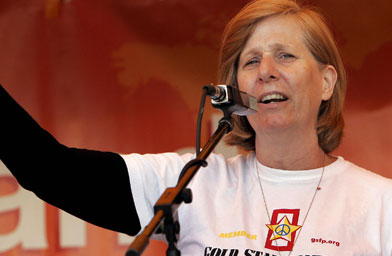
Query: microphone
[{"x": 231, "y": 98}]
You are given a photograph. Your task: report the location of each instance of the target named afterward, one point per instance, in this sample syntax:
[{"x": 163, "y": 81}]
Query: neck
[{"x": 288, "y": 151}]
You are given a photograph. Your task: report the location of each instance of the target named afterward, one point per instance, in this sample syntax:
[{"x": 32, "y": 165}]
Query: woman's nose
[{"x": 268, "y": 69}]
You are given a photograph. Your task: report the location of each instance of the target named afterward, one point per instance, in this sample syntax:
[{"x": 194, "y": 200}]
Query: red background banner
[{"x": 126, "y": 76}]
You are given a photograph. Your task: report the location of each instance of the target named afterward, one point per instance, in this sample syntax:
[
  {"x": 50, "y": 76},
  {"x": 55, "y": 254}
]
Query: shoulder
[
  {"x": 362, "y": 178},
  {"x": 359, "y": 172},
  {"x": 242, "y": 161},
  {"x": 229, "y": 171},
  {"x": 238, "y": 163}
]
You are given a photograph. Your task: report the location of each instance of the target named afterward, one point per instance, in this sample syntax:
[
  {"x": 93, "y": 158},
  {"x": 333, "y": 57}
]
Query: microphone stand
[
  {"x": 233, "y": 102},
  {"x": 172, "y": 197}
]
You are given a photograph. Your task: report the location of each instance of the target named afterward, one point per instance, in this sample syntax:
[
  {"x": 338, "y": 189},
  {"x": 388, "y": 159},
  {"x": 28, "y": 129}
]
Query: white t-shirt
[{"x": 350, "y": 215}]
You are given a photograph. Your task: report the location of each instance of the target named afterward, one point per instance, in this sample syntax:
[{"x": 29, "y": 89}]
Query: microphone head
[{"x": 232, "y": 99}]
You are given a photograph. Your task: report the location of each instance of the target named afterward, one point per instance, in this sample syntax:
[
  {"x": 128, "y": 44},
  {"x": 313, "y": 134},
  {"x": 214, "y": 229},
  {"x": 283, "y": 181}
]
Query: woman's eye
[
  {"x": 252, "y": 61},
  {"x": 286, "y": 56}
]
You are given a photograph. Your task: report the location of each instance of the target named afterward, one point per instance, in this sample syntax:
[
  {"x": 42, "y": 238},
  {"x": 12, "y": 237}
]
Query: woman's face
[{"x": 277, "y": 68}]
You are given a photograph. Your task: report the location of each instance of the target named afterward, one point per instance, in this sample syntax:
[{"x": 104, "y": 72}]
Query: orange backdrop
[{"x": 126, "y": 76}]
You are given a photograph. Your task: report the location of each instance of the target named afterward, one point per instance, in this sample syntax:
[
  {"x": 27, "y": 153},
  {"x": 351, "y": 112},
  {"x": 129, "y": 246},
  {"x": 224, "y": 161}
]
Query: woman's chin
[{"x": 273, "y": 123}]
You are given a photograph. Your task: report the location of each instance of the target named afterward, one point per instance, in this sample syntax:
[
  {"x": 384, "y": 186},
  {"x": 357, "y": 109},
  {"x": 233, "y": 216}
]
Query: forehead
[{"x": 282, "y": 31}]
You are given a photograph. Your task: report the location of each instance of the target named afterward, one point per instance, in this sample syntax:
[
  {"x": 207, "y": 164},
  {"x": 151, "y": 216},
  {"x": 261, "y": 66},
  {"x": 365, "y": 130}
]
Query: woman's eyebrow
[{"x": 259, "y": 50}]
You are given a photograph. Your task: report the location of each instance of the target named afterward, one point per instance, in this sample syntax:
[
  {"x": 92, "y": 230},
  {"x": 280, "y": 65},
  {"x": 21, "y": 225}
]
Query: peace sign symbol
[{"x": 282, "y": 230}]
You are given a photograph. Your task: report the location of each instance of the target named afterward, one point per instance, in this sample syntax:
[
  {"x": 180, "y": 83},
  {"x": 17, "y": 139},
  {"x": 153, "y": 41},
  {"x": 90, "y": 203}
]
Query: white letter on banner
[
  {"x": 30, "y": 231},
  {"x": 124, "y": 239},
  {"x": 72, "y": 231}
]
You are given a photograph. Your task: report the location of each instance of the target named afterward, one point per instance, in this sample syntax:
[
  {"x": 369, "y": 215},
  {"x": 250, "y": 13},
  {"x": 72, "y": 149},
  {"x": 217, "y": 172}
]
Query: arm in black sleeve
[{"x": 91, "y": 185}]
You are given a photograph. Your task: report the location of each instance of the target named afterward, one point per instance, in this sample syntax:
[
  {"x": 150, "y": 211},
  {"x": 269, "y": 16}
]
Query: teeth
[{"x": 273, "y": 97}]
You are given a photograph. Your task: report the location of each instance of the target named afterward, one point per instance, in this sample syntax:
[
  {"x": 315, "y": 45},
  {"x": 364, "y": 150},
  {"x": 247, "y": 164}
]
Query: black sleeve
[{"x": 91, "y": 185}]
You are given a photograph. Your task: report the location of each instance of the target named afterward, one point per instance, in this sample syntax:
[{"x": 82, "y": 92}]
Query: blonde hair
[{"x": 319, "y": 40}]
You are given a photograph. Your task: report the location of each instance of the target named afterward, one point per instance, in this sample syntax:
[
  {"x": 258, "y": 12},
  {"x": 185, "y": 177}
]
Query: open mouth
[{"x": 273, "y": 98}]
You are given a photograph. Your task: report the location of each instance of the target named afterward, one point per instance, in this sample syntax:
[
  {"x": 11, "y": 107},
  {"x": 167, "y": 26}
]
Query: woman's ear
[{"x": 329, "y": 82}]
